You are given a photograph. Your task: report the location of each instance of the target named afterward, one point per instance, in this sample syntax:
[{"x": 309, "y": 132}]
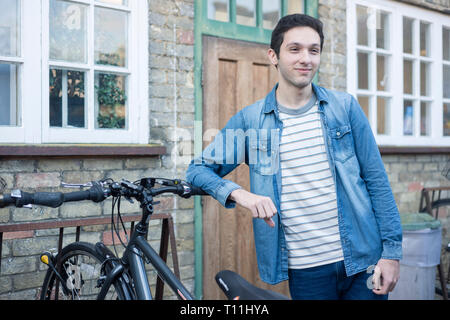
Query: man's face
[{"x": 299, "y": 56}]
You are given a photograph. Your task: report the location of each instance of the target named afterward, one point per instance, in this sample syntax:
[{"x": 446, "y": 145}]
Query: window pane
[
  {"x": 364, "y": 103},
  {"x": 382, "y": 73},
  {"x": 425, "y": 119},
  {"x": 382, "y": 115},
  {"x": 408, "y": 117},
  {"x": 111, "y": 37},
  {"x": 295, "y": 6},
  {"x": 67, "y": 98},
  {"x": 68, "y": 32},
  {"x": 383, "y": 30},
  {"x": 446, "y": 81},
  {"x": 218, "y": 10},
  {"x": 446, "y": 119},
  {"x": 245, "y": 12},
  {"x": 110, "y": 90},
  {"x": 424, "y": 39},
  {"x": 446, "y": 44},
  {"x": 424, "y": 79},
  {"x": 363, "y": 70},
  {"x": 117, "y": 2},
  {"x": 362, "y": 30},
  {"x": 407, "y": 35},
  {"x": 408, "y": 76},
  {"x": 9, "y": 28},
  {"x": 9, "y": 106},
  {"x": 271, "y": 13}
]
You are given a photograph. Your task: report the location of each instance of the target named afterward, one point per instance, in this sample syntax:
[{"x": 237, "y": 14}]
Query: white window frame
[
  {"x": 396, "y": 12},
  {"x": 34, "y": 80}
]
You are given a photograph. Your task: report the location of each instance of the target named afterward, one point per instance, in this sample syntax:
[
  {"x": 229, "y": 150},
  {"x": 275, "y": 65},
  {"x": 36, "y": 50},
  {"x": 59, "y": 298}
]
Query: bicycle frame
[
  {"x": 136, "y": 249},
  {"x": 139, "y": 247}
]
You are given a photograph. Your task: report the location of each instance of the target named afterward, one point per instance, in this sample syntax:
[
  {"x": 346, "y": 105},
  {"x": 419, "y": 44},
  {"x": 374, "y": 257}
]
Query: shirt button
[{"x": 338, "y": 133}]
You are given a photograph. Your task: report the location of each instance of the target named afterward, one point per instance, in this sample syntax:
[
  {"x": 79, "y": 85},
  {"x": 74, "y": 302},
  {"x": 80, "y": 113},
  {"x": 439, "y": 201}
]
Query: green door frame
[{"x": 205, "y": 26}]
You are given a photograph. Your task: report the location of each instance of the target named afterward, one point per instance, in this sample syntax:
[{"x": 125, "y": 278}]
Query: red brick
[
  {"x": 166, "y": 203},
  {"x": 443, "y": 212},
  {"x": 415, "y": 186},
  {"x": 107, "y": 237},
  {"x": 185, "y": 36},
  {"x": 38, "y": 180}
]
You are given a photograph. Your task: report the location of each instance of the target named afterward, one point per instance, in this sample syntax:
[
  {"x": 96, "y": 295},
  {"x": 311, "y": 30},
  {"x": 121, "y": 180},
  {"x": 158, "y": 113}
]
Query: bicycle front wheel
[{"x": 82, "y": 270}]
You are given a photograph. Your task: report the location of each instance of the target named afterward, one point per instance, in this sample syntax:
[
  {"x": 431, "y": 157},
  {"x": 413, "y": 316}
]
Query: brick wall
[{"x": 333, "y": 65}]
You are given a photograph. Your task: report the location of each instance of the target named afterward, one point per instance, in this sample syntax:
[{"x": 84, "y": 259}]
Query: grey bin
[{"x": 422, "y": 238}]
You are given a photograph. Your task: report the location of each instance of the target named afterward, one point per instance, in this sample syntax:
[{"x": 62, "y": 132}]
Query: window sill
[
  {"x": 81, "y": 150},
  {"x": 146, "y": 150}
]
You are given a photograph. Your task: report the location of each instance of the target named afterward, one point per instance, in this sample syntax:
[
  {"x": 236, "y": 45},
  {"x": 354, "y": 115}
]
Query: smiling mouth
[{"x": 301, "y": 70}]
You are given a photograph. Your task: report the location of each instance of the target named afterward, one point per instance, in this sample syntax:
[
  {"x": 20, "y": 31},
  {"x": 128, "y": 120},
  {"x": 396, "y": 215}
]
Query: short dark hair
[{"x": 291, "y": 21}]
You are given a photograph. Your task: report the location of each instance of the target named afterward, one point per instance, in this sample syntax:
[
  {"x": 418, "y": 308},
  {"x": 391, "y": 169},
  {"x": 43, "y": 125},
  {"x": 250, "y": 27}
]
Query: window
[
  {"x": 446, "y": 78},
  {"x": 394, "y": 58},
  {"x": 75, "y": 74},
  {"x": 11, "y": 64},
  {"x": 253, "y": 13},
  {"x": 373, "y": 63}
]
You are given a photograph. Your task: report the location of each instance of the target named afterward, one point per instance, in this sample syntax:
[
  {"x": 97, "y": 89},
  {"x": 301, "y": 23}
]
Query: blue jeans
[{"x": 330, "y": 282}]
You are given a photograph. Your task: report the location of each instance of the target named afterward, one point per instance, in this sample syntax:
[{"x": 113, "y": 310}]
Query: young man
[{"x": 325, "y": 216}]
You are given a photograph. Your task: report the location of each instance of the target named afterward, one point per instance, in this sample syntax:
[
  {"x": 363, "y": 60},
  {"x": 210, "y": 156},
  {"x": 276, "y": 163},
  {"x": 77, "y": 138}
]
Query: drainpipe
[{"x": 198, "y": 146}]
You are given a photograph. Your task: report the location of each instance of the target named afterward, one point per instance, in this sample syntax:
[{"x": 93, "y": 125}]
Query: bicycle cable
[{"x": 116, "y": 229}]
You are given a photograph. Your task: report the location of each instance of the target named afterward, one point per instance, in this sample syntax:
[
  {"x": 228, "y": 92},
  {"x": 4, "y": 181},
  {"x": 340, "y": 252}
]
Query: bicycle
[{"x": 87, "y": 271}]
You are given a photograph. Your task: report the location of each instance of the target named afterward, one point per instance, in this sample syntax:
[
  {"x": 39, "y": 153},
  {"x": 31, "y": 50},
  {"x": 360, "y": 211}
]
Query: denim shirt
[{"x": 369, "y": 222}]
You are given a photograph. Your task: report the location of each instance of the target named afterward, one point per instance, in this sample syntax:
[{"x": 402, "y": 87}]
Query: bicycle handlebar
[{"x": 98, "y": 192}]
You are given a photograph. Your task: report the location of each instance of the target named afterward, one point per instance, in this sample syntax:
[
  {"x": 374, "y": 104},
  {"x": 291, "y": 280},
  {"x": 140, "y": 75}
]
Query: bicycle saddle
[{"x": 237, "y": 288}]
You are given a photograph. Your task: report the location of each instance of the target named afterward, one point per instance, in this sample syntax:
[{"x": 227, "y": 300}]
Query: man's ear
[{"x": 272, "y": 57}]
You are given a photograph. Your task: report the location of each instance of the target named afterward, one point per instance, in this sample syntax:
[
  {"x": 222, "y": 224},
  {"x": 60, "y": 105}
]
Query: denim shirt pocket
[
  {"x": 265, "y": 155},
  {"x": 342, "y": 143}
]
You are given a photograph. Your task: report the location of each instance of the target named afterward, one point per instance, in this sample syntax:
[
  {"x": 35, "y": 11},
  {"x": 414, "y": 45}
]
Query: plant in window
[
  {"x": 74, "y": 94},
  {"x": 111, "y": 100}
]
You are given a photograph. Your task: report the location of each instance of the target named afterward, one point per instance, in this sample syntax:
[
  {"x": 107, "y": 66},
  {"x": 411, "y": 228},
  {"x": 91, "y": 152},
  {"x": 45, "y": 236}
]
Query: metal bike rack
[{"x": 167, "y": 234}]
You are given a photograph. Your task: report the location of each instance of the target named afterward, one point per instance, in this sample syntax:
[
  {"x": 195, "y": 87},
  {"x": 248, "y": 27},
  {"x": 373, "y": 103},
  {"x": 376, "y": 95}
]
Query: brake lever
[
  {"x": 76, "y": 185},
  {"x": 129, "y": 185}
]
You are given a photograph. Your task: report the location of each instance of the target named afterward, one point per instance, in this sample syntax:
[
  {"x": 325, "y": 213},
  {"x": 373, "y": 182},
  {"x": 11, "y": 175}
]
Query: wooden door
[{"x": 235, "y": 74}]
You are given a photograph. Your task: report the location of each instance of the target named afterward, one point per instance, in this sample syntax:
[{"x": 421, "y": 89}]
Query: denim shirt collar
[{"x": 270, "y": 103}]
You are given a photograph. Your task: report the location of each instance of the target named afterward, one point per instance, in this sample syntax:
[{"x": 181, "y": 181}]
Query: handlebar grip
[
  {"x": 55, "y": 199},
  {"x": 95, "y": 193},
  {"x": 76, "y": 196},
  {"x": 196, "y": 191},
  {"x": 6, "y": 199},
  {"x": 51, "y": 199},
  {"x": 48, "y": 199}
]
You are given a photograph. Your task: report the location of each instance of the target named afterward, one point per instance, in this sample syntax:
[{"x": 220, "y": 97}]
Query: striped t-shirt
[{"x": 308, "y": 196}]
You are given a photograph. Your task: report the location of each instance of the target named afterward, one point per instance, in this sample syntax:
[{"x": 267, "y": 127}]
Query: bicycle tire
[{"x": 81, "y": 268}]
